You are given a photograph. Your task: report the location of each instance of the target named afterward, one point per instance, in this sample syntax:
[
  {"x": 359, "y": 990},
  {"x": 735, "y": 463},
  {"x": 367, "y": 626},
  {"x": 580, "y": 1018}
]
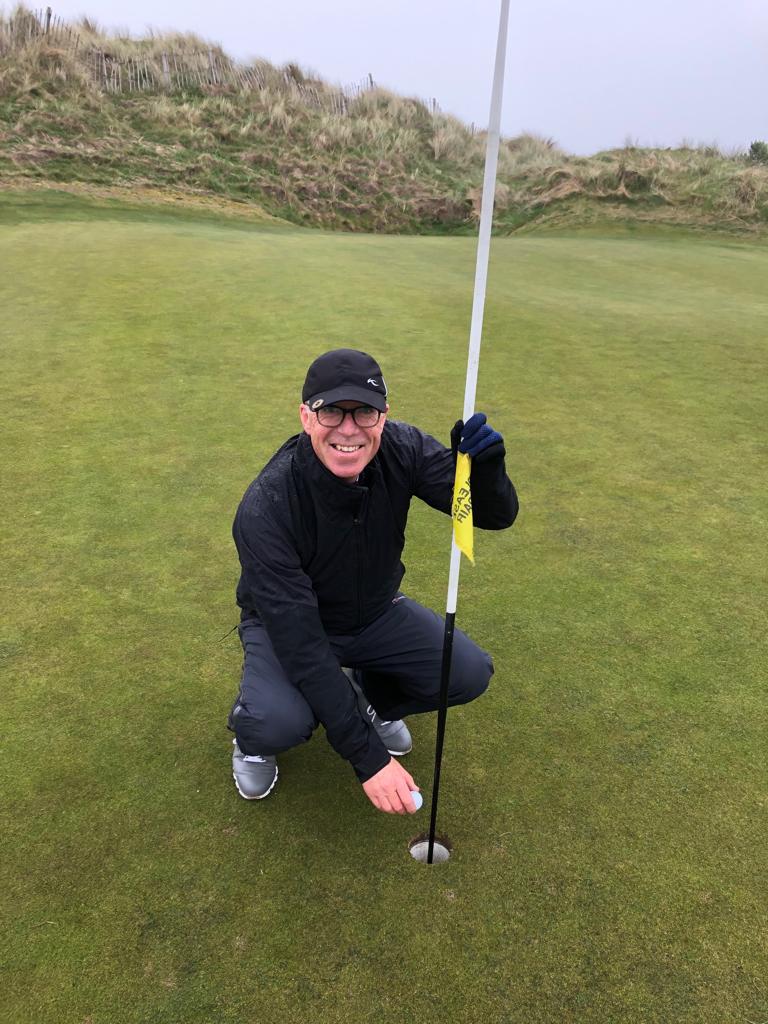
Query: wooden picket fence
[
  {"x": 167, "y": 71},
  {"x": 205, "y": 69},
  {"x": 23, "y": 26}
]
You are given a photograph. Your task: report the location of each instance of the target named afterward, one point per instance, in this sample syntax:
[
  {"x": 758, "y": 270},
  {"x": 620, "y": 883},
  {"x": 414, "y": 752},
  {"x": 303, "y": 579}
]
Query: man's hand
[
  {"x": 390, "y": 789},
  {"x": 477, "y": 439}
]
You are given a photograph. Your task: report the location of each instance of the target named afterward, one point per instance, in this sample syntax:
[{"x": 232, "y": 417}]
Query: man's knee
[
  {"x": 470, "y": 674},
  {"x": 273, "y": 730}
]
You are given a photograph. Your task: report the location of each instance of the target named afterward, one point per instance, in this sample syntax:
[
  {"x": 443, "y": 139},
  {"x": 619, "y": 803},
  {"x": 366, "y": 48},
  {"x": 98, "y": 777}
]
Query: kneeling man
[{"x": 319, "y": 534}]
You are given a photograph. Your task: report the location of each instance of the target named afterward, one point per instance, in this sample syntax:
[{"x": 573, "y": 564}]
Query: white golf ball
[{"x": 417, "y": 798}]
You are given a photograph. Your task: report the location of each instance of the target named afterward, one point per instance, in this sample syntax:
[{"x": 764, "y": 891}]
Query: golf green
[{"x": 607, "y": 800}]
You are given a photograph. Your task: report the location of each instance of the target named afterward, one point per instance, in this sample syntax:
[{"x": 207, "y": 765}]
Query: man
[{"x": 319, "y": 534}]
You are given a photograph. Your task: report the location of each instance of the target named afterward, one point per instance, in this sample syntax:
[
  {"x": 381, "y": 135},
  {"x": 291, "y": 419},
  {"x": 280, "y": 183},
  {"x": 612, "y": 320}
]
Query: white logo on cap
[
  {"x": 316, "y": 404},
  {"x": 372, "y": 380}
]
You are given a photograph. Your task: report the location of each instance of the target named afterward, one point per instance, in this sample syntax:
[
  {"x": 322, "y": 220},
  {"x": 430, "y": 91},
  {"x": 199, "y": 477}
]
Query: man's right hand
[{"x": 390, "y": 789}]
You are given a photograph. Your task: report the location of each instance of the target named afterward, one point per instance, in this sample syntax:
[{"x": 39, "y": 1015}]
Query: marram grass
[{"x": 297, "y": 149}]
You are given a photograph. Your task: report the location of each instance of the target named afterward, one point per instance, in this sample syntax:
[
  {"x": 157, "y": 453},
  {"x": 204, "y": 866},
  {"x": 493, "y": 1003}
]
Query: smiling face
[{"x": 344, "y": 450}]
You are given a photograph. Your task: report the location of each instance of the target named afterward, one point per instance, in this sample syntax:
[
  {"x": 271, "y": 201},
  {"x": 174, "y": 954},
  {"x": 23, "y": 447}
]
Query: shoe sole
[
  {"x": 245, "y": 797},
  {"x": 400, "y": 753}
]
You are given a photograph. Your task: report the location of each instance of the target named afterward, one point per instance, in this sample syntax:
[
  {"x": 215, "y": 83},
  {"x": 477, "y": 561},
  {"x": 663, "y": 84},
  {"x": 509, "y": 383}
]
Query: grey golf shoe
[
  {"x": 395, "y": 735},
  {"x": 254, "y": 776}
]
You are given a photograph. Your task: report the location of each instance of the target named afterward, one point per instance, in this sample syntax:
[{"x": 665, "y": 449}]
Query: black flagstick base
[{"x": 442, "y": 716}]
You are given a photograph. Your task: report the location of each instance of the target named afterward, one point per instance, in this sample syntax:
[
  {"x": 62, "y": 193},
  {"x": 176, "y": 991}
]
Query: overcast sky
[{"x": 589, "y": 73}]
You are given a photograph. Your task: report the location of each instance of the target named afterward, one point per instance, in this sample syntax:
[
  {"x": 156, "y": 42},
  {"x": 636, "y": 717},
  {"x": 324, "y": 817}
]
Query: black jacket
[{"x": 320, "y": 556}]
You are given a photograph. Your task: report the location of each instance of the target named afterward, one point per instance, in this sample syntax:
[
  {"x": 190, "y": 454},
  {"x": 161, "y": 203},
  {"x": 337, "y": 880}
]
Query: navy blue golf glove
[{"x": 476, "y": 439}]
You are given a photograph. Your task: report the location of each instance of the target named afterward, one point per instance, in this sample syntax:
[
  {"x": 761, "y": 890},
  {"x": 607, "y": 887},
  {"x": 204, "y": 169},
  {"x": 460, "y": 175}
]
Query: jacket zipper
[{"x": 357, "y": 522}]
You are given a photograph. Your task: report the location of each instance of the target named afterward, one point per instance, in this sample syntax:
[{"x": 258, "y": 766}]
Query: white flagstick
[
  {"x": 481, "y": 266},
  {"x": 475, "y": 334}
]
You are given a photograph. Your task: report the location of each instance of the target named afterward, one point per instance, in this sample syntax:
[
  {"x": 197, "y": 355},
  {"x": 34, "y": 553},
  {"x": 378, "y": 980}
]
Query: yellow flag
[{"x": 461, "y": 508}]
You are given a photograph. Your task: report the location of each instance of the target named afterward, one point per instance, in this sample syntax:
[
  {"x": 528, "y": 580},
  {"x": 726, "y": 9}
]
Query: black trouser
[{"x": 399, "y": 655}]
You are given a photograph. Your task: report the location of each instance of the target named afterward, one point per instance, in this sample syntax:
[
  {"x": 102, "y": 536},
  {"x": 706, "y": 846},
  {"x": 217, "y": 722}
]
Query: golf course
[{"x": 606, "y": 799}]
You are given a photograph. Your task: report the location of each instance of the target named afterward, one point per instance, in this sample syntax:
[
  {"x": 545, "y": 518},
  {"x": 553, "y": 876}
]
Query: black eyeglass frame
[{"x": 344, "y": 412}]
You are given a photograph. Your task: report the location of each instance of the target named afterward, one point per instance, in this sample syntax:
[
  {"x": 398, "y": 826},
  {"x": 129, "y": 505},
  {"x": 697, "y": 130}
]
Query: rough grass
[
  {"x": 693, "y": 186},
  {"x": 388, "y": 164},
  {"x": 607, "y": 798}
]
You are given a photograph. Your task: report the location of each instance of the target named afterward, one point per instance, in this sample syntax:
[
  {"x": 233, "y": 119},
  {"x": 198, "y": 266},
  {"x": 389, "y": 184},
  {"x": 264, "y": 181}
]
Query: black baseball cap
[{"x": 344, "y": 374}]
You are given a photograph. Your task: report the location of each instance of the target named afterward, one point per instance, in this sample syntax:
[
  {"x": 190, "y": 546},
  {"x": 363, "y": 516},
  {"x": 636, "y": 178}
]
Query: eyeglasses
[{"x": 333, "y": 415}]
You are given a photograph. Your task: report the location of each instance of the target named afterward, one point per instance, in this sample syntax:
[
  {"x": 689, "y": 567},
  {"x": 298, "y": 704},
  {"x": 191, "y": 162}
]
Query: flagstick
[{"x": 473, "y": 364}]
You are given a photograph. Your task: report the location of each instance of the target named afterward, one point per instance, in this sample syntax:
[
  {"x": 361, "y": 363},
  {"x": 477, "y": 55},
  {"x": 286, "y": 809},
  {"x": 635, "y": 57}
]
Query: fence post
[
  {"x": 212, "y": 67},
  {"x": 370, "y": 81},
  {"x": 48, "y": 13},
  {"x": 166, "y": 71}
]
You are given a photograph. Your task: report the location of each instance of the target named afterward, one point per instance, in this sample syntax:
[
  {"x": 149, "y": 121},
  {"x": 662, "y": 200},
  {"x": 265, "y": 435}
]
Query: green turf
[{"x": 607, "y": 799}]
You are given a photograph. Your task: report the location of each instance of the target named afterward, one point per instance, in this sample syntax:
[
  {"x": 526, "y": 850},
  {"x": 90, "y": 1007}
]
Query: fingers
[
  {"x": 404, "y": 794},
  {"x": 399, "y": 799},
  {"x": 470, "y": 443},
  {"x": 405, "y": 783},
  {"x": 473, "y": 424},
  {"x": 398, "y": 805},
  {"x": 390, "y": 789},
  {"x": 386, "y": 805},
  {"x": 483, "y": 441},
  {"x": 381, "y": 803}
]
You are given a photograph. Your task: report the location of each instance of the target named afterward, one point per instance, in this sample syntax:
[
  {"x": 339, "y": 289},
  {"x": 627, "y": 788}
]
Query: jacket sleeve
[
  {"x": 494, "y": 501},
  {"x": 282, "y": 594}
]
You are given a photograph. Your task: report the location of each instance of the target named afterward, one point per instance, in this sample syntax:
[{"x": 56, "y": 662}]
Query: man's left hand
[{"x": 477, "y": 439}]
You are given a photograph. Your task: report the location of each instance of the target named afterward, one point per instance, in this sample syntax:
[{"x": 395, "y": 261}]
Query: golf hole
[{"x": 419, "y": 848}]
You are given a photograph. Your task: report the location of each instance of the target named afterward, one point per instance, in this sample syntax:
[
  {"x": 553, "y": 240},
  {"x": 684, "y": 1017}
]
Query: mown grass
[{"x": 606, "y": 799}]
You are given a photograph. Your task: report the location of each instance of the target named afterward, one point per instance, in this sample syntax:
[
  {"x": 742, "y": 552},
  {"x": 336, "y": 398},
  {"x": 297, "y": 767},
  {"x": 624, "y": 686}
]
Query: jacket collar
[{"x": 335, "y": 496}]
